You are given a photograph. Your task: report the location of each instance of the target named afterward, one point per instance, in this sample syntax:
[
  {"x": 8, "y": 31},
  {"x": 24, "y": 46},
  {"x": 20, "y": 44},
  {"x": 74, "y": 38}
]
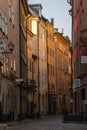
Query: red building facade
[{"x": 79, "y": 47}]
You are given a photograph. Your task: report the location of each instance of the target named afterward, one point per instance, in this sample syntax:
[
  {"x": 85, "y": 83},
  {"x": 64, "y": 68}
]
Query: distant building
[
  {"x": 31, "y": 68},
  {"x": 39, "y": 49},
  {"x": 51, "y": 66},
  {"x": 63, "y": 72}
]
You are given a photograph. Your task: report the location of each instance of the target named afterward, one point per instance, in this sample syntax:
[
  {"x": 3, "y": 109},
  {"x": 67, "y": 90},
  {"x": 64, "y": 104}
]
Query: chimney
[
  {"x": 52, "y": 21},
  {"x": 62, "y": 31}
]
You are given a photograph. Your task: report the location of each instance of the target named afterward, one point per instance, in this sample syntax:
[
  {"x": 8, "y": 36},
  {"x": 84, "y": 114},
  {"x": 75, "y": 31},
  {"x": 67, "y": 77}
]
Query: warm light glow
[{"x": 34, "y": 27}]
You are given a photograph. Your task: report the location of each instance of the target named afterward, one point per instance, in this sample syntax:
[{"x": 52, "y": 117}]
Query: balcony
[{"x": 83, "y": 36}]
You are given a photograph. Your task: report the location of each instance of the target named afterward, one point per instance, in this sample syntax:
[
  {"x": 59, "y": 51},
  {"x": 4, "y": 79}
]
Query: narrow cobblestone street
[{"x": 53, "y": 123}]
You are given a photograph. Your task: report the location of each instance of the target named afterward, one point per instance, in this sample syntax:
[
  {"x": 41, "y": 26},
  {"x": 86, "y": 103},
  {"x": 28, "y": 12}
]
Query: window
[
  {"x": 51, "y": 69},
  {"x": 42, "y": 33},
  {"x": 48, "y": 68},
  {"x": 48, "y": 50},
  {"x": 11, "y": 62},
  {"x": 53, "y": 53},
  {"x": 30, "y": 65},
  {"x": 34, "y": 27},
  {"x": 45, "y": 76},
  {"x": 7, "y": 64},
  {"x": 12, "y": 15},
  {"x": 3, "y": 23},
  {"x": 14, "y": 64},
  {"x": 6, "y": 28},
  {"x": 11, "y": 12}
]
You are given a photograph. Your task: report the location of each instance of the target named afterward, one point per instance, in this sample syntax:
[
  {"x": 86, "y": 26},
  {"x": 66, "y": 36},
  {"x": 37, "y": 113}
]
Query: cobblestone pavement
[
  {"x": 61, "y": 127},
  {"x": 54, "y": 123}
]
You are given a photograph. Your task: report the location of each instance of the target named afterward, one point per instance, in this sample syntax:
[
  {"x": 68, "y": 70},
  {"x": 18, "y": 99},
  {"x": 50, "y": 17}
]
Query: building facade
[
  {"x": 51, "y": 66},
  {"x": 14, "y": 62},
  {"x": 63, "y": 72},
  {"x": 79, "y": 44},
  {"x": 31, "y": 66},
  {"x": 39, "y": 50},
  {"x": 23, "y": 15},
  {"x": 9, "y": 71},
  {"x": 34, "y": 63}
]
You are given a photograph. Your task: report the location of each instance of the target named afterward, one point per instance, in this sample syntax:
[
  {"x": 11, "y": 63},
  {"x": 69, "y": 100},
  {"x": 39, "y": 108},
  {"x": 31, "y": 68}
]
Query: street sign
[
  {"x": 77, "y": 82},
  {"x": 19, "y": 80},
  {"x": 83, "y": 59}
]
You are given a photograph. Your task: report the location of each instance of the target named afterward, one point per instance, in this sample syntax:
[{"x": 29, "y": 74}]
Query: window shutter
[{"x": 6, "y": 28}]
